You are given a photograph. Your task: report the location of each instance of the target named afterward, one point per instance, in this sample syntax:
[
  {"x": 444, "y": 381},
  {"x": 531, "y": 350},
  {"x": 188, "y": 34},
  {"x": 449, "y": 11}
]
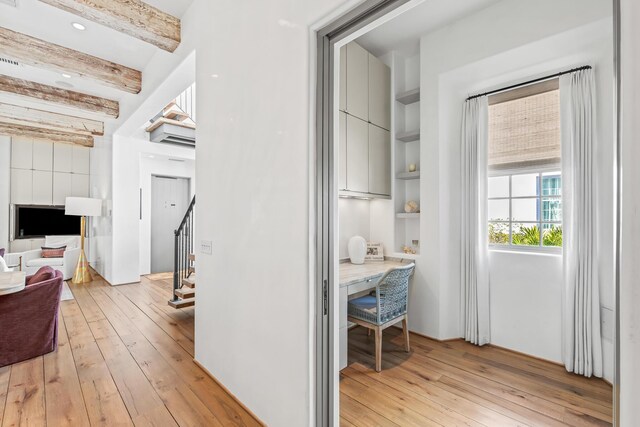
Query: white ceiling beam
[
  {"x": 42, "y": 54},
  {"x": 29, "y": 90},
  {"x": 132, "y": 17}
]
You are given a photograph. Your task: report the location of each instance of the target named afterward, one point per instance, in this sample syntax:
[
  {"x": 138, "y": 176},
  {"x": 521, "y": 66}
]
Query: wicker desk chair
[{"x": 385, "y": 308}]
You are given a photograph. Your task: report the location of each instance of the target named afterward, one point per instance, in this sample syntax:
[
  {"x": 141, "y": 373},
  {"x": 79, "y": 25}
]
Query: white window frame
[{"x": 539, "y": 170}]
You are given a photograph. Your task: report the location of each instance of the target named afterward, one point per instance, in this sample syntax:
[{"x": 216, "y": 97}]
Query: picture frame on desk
[{"x": 375, "y": 252}]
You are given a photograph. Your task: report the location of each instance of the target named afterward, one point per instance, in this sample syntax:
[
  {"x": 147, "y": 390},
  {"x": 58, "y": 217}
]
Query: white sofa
[{"x": 32, "y": 260}]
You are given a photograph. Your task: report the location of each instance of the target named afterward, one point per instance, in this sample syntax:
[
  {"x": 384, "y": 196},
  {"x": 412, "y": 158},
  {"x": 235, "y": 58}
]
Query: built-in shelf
[
  {"x": 412, "y": 135},
  {"x": 409, "y": 97},
  {"x": 404, "y": 215},
  {"x": 408, "y": 175}
]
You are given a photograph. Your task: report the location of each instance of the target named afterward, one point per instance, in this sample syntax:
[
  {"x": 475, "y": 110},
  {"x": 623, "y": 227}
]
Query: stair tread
[
  {"x": 189, "y": 282},
  {"x": 192, "y": 257},
  {"x": 185, "y": 293},
  {"x": 181, "y": 303}
]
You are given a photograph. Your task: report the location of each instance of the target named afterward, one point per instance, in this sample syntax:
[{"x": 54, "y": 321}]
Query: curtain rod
[{"x": 539, "y": 79}]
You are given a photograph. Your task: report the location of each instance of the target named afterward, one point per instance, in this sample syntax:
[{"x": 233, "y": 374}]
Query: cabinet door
[
  {"x": 61, "y": 187},
  {"x": 357, "y": 81},
  {"x": 357, "y": 155},
  {"x": 43, "y": 156},
  {"x": 80, "y": 159},
  {"x": 62, "y": 157},
  {"x": 379, "y": 161},
  {"x": 42, "y": 188},
  {"x": 21, "y": 153},
  {"x": 343, "y": 79},
  {"x": 21, "y": 186},
  {"x": 342, "y": 173},
  {"x": 379, "y": 93}
]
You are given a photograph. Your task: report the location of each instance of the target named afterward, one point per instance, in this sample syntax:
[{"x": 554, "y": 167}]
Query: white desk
[
  {"x": 355, "y": 279},
  {"x": 11, "y": 282}
]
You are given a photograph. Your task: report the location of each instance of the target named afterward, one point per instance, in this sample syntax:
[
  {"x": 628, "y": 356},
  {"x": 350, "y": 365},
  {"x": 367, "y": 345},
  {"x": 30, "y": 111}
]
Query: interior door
[{"x": 169, "y": 202}]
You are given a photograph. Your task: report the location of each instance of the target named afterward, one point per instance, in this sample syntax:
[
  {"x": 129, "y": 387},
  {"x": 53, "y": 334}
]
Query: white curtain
[
  {"x": 474, "y": 245},
  {"x": 582, "y": 345}
]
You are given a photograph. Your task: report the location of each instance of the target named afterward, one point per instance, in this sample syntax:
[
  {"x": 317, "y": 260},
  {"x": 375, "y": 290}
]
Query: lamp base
[{"x": 82, "y": 273}]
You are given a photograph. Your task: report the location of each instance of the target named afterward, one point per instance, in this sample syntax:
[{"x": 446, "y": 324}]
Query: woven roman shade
[{"x": 525, "y": 132}]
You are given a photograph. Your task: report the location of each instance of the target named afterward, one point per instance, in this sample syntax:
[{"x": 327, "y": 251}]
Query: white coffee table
[{"x": 12, "y": 282}]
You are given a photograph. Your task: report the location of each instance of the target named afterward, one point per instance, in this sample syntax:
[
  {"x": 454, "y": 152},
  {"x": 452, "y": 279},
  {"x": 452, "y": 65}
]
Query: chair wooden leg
[
  {"x": 405, "y": 331},
  {"x": 378, "y": 349}
]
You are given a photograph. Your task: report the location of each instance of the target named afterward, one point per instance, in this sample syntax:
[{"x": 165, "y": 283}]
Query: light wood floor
[
  {"x": 124, "y": 358},
  {"x": 455, "y": 383}
]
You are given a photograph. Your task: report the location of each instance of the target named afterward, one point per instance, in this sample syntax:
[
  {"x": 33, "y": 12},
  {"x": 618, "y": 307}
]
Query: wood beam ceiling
[
  {"x": 132, "y": 17},
  {"x": 18, "y": 115},
  {"x": 39, "y": 53},
  {"x": 51, "y": 94},
  {"x": 47, "y": 134}
]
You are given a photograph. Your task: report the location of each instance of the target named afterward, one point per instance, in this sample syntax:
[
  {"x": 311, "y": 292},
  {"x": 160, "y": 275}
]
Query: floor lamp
[{"x": 83, "y": 207}]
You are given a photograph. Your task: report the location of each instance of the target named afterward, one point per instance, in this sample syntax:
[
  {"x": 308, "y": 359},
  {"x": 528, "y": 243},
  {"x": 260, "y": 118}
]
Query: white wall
[
  {"x": 100, "y": 187},
  {"x": 354, "y": 219},
  {"x": 5, "y": 189},
  {"x": 630, "y": 267},
  {"x": 254, "y": 198},
  {"x": 158, "y": 166},
  {"x": 453, "y": 68},
  {"x": 128, "y": 153}
]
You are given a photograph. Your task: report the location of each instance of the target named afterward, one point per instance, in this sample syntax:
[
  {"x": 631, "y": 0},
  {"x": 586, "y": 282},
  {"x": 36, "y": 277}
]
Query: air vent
[
  {"x": 173, "y": 134},
  {"x": 9, "y": 61}
]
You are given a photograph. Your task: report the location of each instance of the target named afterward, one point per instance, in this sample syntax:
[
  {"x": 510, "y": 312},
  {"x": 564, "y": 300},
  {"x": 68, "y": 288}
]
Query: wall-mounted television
[{"x": 32, "y": 221}]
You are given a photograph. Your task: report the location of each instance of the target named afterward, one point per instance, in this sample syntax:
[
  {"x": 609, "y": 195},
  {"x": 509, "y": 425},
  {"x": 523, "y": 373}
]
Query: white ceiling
[
  {"x": 42, "y": 21},
  {"x": 403, "y": 33}
]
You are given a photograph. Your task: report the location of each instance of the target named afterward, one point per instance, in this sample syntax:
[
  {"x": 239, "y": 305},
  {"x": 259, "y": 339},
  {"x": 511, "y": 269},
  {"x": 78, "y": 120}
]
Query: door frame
[{"x": 326, "y": 194}]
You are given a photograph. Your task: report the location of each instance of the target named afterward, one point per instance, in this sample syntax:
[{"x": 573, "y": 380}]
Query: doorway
[
  {"x": 457, "y": 82},
  {"x": 169, "y": 201}
]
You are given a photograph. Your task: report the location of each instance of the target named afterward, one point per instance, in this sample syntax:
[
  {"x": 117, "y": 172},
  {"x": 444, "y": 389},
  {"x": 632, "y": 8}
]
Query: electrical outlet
[{"x": 206, "y": 247}]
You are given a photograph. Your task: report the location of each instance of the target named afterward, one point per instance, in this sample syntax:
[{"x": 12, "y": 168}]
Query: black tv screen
[{"x": 40, "y": 221}]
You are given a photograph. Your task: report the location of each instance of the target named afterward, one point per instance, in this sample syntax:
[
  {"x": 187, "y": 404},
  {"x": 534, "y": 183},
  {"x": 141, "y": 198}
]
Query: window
[{"x": 525, "y": 180}]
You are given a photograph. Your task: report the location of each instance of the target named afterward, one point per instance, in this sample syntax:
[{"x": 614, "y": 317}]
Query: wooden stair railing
[{"x": 183, "y": 266}]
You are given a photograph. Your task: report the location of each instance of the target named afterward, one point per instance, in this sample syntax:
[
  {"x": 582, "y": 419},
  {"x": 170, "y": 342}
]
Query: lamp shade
[{"x": 83, "y": 206}]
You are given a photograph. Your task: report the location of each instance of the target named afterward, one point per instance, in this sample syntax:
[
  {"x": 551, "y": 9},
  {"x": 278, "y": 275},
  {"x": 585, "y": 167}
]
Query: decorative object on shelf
[
  {"x": 84, "y": 207},
  {"x": 408, "y": 250},
  {"x": 412, "y": 167},
  {"x": 374, "y": 252},
  {"x": 411, "y": 207},
  {"x": 357, "y": 249}
]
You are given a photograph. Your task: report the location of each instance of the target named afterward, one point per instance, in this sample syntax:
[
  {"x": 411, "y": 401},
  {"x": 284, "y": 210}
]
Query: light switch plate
[{"x": 206, "y": 247}]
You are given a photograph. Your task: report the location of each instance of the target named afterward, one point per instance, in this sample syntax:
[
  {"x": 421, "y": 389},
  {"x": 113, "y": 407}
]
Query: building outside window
[{"x": 525, "y": 180}]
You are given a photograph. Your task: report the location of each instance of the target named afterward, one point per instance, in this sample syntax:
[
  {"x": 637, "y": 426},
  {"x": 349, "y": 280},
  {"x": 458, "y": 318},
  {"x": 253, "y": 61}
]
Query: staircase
[{"x": 184, "y": 270}]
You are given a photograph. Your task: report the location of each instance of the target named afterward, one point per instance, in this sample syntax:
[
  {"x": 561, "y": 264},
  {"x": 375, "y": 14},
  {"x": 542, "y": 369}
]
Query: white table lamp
[{"x": 83, "y": 207}]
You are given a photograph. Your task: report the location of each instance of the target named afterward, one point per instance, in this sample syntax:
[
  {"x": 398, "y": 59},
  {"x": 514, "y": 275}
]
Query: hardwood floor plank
[
  {"x": 5, "y": 374},
  {"x": 63, "y": 395},
  {"x": 103, "y": 401},
  {"x": 181, "y": 401},
  {"x": 210, "y": 393},
  {"x": 143, "y": 403},
  {"x": 361, "y": 416},
  {"x": 25, "y": 399},
  {"x": 419, "y": 404},
  {"x": 383, "y": 405}
]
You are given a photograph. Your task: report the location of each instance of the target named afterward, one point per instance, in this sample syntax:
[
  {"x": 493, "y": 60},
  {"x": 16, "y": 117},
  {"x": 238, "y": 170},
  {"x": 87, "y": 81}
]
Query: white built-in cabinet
[
  {"x": 46, "y": 173},
  {"x": 365, "y": 121}
]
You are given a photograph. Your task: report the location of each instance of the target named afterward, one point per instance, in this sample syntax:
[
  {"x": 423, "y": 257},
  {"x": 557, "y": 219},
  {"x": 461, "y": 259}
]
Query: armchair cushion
[
  {"x": 41, "y": 262},
  {"x": 42, "y": 275},
  {"x": 1, "y": 252},
  {"x": 53, "y": 252}
]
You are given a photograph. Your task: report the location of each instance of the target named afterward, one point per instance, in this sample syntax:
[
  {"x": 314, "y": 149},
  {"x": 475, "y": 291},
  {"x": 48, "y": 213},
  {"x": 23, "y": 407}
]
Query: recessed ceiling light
[
  {"x": 66, "y": 76},
  {"x": 78, "y": 26},
  {"x": 214, "y": 76}
]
